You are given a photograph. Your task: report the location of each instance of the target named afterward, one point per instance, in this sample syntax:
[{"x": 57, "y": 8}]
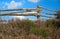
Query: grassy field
[{"x": 28, "y": 29}]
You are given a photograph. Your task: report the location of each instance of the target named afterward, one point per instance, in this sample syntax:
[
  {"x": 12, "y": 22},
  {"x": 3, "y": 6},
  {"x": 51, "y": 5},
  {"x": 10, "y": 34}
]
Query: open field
[{"x": 28, "y": 29}]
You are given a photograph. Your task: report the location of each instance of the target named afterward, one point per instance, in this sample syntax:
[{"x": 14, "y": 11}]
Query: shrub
[
  {"x": 58, "y": 24},
  {"x": 53, "y": 23},
  {"x": 41, "y": 32}
]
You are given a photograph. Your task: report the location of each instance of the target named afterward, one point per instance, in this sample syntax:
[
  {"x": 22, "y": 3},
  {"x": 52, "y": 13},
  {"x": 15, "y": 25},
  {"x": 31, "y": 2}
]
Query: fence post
[
  {"x": 0, "y": 18},
  {"x": 38, "y": 16}
]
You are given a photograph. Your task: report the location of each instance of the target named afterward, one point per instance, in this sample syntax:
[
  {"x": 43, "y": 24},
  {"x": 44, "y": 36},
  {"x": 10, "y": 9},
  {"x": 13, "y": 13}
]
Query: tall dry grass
[{"x": 28, "y": 29}]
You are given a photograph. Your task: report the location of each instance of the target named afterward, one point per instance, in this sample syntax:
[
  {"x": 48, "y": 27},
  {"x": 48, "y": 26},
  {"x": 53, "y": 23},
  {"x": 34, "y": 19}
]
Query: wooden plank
[
  {"x": 20, "y": 12},
  {"x": 32, "y": 14},
  {"x": 26, "y": 9}
]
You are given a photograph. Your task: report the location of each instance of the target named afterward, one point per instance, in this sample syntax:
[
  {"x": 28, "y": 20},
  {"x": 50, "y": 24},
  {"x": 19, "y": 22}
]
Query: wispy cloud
[
  {"x": 13, "y": 4},
  {"x": 34, "y": 1}
]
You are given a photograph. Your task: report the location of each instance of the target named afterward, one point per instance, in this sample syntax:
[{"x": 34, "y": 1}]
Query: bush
[
  {"x": 53, "y": 23},
  {"x": 58, "y": 24},
  {"x": 39, "y": 32}
]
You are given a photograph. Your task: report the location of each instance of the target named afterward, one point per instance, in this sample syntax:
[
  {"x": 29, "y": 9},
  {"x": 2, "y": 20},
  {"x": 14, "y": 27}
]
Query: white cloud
[
  {"x": 19, "y": 17},
  {"x": 35, "y": 1},
  {"x": 13, "y": 4}
]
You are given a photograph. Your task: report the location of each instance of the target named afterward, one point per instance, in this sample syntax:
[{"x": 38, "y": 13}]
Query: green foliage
[
  {"x": 25, "y": 23},
  {"x": 39, "y": 32},
  {"x": 58, "y": 24},
  {"x": 36, "y": 31},
  {"x": 30, "y": 23},
  {"x": 53, "y": 23}
]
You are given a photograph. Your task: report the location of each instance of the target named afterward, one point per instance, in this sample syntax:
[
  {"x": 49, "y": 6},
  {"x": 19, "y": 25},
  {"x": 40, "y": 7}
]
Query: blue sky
[{"x": 11, "y": 4}]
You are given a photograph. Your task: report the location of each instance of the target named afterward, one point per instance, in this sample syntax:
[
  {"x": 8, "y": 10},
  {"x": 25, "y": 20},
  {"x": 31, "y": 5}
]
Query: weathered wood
[
  {"x": 37, "y": 10},
  {"x": 24, "y": 9},
  {"x": 19, "y": 14}
]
